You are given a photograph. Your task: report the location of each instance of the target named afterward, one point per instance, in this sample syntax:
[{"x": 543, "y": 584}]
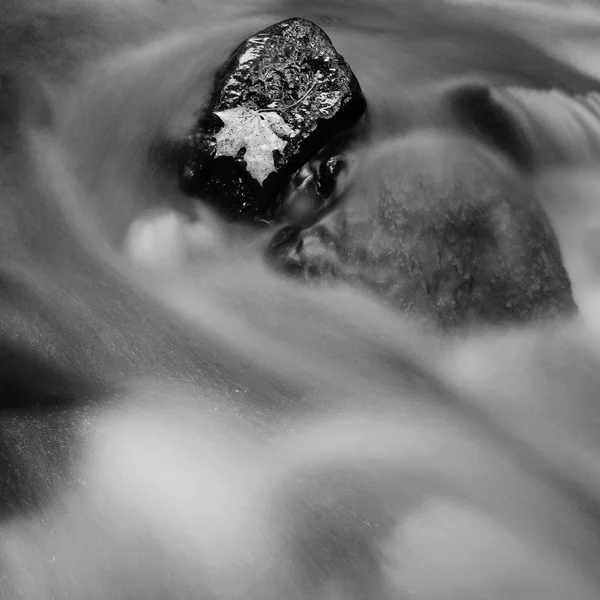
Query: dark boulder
[
  {"x": 284, "y": 94},
  {"x": 439, "y": 228}
]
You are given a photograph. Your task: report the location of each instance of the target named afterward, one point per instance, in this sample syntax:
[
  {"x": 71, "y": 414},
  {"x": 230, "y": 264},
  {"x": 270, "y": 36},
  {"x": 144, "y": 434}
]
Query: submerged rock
[
  {"x": 460, "y": 247},
  {"x": 283, "y": 94}
]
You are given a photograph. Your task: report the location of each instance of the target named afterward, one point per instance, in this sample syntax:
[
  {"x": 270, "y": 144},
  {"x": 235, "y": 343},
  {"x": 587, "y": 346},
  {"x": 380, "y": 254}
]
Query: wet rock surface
[
  {"x": 460, "y": 248},
  {"x": 284, "y": 94}
]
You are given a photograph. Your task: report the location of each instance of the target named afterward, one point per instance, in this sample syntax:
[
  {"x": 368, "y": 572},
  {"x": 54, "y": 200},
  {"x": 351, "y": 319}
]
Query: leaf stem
[{"x": 282, "y": 109}]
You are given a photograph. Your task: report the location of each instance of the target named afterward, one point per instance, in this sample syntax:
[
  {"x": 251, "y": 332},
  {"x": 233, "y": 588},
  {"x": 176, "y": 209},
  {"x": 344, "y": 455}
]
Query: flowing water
[{"x": 179, "y": 419}]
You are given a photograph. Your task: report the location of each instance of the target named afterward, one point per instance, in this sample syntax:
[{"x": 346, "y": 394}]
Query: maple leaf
[{"x": 259, "y": 132}]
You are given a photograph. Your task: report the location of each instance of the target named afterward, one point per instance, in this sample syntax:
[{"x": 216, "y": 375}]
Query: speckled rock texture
[{"x": 282, "y": 95}]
